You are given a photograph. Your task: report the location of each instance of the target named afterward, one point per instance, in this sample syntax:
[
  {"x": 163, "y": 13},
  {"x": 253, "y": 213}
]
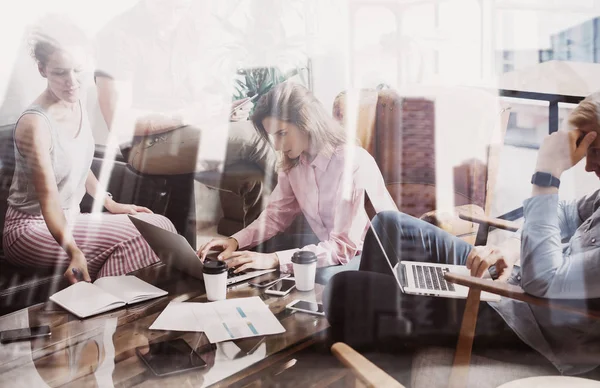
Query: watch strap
[{"x": 544, "y": 179}]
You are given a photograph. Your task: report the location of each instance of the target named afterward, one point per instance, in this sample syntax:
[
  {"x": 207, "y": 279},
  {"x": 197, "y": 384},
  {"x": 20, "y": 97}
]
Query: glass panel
[
  {"x": 549, "y": 47},
  {"x": 527, "y": 126},
  {"x": 375, "y": 44}
]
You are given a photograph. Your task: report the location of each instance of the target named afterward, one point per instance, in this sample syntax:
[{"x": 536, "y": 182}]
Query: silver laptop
[
  {"x": 421, "y": 278},
  {"x": 174, "y": 250}
]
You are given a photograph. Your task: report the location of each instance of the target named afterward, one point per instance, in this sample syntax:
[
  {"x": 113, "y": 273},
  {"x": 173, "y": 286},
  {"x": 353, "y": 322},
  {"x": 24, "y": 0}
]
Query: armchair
[
  {"x": 437, "y": 367},
  {"x": 366, "y": 372}
]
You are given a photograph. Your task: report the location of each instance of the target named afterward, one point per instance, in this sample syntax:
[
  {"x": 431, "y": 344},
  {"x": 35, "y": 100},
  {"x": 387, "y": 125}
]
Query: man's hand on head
[{"x": 562, "y": 150}]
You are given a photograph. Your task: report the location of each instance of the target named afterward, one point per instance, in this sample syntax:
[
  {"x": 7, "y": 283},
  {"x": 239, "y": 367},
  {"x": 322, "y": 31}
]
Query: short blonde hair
[
  {"x": 295, "y": 104},
  {"x": 587, "y": 113}
]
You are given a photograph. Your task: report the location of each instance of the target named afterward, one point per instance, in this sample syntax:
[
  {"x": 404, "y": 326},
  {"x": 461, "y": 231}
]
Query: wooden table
[{"x": 100, "y": 350}]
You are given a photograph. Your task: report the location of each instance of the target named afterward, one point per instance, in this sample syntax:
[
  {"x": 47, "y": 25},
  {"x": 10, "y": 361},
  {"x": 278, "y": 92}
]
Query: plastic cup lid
[
  {"x": 214, "y": 267},
  {"x": 304, "y": 257}
]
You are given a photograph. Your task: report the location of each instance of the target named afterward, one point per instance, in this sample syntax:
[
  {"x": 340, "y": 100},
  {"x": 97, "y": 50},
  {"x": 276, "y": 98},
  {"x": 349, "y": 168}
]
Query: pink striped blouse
[{"x": 330, "y": 192}]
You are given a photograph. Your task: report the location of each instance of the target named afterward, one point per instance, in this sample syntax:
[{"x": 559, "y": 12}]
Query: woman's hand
[
  {"x": 122, "y": 208},
  {"x": 77, "y": 270},
  {"x": 227, "y": 245},
  {"x": 244, "y": 260},
  {"x": 562, "y": 150},
  {"x": 483, "y": 257}
]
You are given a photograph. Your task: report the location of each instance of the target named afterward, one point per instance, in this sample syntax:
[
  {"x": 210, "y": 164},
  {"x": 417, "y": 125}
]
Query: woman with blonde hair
[
  {"x": 321, "y": 176},
  {"x": 54, "y": 149}
]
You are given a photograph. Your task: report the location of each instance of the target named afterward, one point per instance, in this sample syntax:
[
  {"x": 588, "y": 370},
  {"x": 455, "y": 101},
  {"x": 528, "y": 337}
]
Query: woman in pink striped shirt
[
  {"x": 321, "y": 176},
  {"x": 54, "y": 149}
]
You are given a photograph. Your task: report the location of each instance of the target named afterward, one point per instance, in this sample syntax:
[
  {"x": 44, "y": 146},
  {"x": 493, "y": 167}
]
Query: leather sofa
[{"x": 21, "y": 287}]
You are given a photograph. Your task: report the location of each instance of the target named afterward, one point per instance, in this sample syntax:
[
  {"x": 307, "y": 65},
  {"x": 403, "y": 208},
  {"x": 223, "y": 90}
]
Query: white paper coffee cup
[
  {"x": 215, "y": 280},
  {"x": 305, "y": 268}
]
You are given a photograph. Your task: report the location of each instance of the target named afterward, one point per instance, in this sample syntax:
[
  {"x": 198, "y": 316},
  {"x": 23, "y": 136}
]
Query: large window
[{"x": 551, "y": 48}]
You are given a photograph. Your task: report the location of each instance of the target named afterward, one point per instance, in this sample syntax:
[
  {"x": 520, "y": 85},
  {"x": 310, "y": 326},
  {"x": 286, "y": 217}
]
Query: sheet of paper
[
  {"x": 239, "y": 318},
  {"x": 178, "y": 316},
  {"x": 221, "y": 321}
]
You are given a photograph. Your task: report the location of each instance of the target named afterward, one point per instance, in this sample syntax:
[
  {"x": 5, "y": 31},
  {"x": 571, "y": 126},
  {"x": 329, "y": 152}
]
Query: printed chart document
[
  {"x": 221, "y": 321},
  {"x": 108, "y": 293}
]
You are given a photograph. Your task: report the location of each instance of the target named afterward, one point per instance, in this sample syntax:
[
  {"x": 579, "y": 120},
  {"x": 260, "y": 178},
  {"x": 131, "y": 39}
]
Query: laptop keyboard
[
  {"x": 431, "y": 278},
  {"x": 232, "y": 274}
]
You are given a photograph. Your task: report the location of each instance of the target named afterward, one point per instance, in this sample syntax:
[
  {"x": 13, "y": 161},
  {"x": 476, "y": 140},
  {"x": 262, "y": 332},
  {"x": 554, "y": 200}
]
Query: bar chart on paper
[
  {"x": 241, "y": 318},
  {"x": 221, "y": 321},
  {"x": 240, "y": 330}
]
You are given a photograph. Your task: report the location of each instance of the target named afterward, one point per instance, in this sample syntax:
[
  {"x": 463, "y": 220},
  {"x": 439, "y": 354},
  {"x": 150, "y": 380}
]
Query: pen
[
  {"x": 78, "y": 275},
  {"x": 243, "y": 104}
]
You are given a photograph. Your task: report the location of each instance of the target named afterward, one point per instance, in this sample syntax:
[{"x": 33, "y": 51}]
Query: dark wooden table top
[{"x": 100, "y": 351}]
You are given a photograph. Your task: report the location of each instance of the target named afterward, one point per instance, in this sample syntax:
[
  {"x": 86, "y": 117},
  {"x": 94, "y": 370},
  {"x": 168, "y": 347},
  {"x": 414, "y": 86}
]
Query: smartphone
[
  {"x": 307, "y": 307},
  {"x": 249, "y": 345},
  {"x": 24, "y": 333},
  {"x": 267, "y": 280},
  {"x": 282, "y": 287},
  {"x": 170, "y": 357}
]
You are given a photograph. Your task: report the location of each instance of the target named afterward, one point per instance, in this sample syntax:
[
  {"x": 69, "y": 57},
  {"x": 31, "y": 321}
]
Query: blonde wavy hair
[
  {"x": 295, "y": 104},
  {"x": 587, "y": 113}
]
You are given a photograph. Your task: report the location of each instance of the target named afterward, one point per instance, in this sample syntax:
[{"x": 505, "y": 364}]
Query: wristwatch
[{"x": 544, "y": 179}]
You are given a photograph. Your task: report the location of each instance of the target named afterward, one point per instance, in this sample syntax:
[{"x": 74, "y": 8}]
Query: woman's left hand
[
  {"x": 122, "y": 208},
  {"x": 243, "y": 260}
]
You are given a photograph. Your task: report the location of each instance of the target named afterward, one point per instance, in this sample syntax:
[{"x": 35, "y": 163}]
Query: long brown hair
[{"x": 295, "y": 104}]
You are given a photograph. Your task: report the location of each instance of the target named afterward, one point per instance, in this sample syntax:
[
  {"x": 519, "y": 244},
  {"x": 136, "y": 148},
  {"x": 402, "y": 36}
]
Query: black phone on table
[
  {"x": 268, "y": 279},
  {"x": 282, "y": 287},
  {"x": 307, "y": 307},
  {"x": 24, "y": 334},
  {"x": 249, "y": 345},
  {"x": 170, "y": 357}
]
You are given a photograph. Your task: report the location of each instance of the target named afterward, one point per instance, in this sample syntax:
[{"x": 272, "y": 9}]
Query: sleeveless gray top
[{"x": 71, "y": 160}]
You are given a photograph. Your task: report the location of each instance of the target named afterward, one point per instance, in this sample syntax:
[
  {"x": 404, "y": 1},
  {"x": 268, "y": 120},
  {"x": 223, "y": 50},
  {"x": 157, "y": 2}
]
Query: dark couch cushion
[
  {"x": 127, "y": 186},
  {"x": 7, "y": 168},
  {"x": 23, "y": 287},
  {"x": 19, "y": 287}
]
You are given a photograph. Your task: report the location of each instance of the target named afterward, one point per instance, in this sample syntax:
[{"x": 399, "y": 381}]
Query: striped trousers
[{"x": 111, "y": 244}]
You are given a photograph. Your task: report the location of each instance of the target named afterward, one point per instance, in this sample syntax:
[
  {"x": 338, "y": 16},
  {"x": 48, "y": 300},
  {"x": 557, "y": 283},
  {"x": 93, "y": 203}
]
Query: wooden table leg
[{"x": 462, "y": 357}]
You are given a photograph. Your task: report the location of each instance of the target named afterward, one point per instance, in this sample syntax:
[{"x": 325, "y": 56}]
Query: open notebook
[{"x": 108, "y": 293}]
